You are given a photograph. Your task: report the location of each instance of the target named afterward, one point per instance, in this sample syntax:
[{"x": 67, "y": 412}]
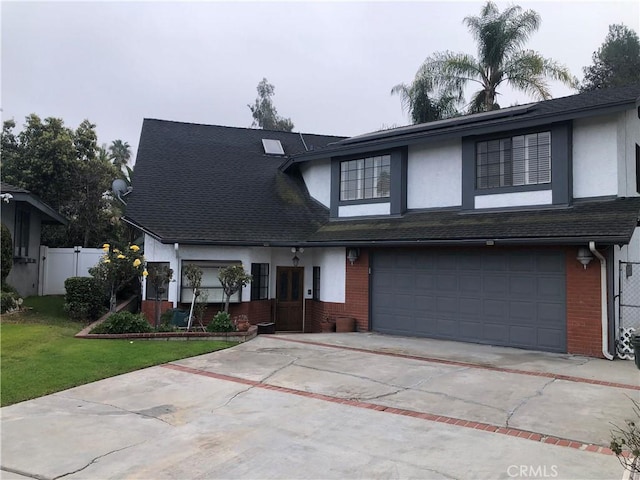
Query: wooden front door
[{"x": 289, "y": 298}]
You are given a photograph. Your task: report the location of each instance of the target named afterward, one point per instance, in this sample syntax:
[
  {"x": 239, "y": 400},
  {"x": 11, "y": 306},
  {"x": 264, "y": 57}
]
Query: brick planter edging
[{"x": 239, "y": 337}]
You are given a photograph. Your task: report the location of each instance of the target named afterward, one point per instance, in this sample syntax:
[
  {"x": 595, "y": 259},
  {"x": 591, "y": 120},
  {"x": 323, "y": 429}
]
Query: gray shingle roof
[
  {"x": 605, "y": 221},
  {"x": 211, "y": 184}
]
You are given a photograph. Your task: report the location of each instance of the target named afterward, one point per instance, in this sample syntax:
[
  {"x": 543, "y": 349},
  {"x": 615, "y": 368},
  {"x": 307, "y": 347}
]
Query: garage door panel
[
  {"x": 495, "y": 308},
  {"x": 500, "y": 297},
  {"x": 470, "y": 306},
  {"x": 470, "y": 283},
  {"x": 495, "y": 333},
  {"x": 551, "y": 287},
  {"x": 522, "y": 336},
  {"x": 447, "y": 282},
  {"x": 495, "y": 284},
  {"x": 521, "y": 263},
  {"x": 550, "y": 262}
]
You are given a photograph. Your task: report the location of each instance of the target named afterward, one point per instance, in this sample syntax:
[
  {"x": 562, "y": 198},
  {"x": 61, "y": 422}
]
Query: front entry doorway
[{"x": 289, "y": 298}]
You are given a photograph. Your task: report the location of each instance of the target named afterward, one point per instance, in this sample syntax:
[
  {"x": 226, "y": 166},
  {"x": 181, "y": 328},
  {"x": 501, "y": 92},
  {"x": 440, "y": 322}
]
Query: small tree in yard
[
  {"x": 232, "y": 278},
  {"x": 117, "y": 268},
  {"x": 159, "y": 277},
  {"x": 625, "y": 442},
  {"x": 193, "y": 275}
]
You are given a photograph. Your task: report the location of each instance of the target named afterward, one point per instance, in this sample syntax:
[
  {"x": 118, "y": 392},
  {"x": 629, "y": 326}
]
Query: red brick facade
[
  {"x": 257, "y": 311},
  {"x": 584, "y": 325}
]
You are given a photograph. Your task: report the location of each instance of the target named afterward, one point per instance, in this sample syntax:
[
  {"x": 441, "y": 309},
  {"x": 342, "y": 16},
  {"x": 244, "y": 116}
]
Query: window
[
  {"x": 365, "y": 178},
  {"x": 211, "y": 285},
  {"x": 514, "y": 161},
  {"x": 151, "y": 289},
  {"x": 316, "y": 283},
  {"x": 637, "y": 168},
  {"x": 260, "y": 282},
  {"x": 21, "y": 240}
]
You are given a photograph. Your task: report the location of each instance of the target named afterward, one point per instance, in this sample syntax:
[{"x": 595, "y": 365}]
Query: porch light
[
  {"x": 353, "y": 254},
  {"x": 584, "y": 256},
  {"x": 295, "y": 251}
]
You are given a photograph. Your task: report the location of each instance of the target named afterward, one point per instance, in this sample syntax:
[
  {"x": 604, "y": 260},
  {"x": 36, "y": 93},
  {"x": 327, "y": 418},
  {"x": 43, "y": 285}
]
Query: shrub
[
  {"x": 625, "y": 442},
  {"x": 85, "y": 298},
  {"x": 124, "y": 322},
  {"x": 9, "y": 301},
  {"x": 6, "y": 253},
  {"x": 221, "y": 323}
]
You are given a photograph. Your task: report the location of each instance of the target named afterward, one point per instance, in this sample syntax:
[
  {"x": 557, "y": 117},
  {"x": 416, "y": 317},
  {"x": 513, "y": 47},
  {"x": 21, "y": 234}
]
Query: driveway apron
[{"x": 332, "y": 406}]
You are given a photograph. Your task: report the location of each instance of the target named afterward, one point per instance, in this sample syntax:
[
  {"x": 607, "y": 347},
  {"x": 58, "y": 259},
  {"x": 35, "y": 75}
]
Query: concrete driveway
[{"x": 332, "y": 406}]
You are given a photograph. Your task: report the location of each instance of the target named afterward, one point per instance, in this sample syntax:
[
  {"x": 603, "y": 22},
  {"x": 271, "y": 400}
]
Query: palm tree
[
  {"x": 120, "y": 154},
  {"x": 501, "y": 59},
  {"x": 423, "y": 104}
]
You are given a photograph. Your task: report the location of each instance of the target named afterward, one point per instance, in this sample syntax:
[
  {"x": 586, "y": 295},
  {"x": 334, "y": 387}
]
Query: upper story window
[
  {"x": 514, "y": 161},
  {"x": 365, "y": 178}
]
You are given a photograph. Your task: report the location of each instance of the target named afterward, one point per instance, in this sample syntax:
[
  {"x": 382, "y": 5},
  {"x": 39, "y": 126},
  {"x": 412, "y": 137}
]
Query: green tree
[
  {"x": 616, "y": 62},
  {"x": 422, "y": 103},
  {"x": 67, "y": 170},
  {"x": 264, "y": 111},
  {"x": 117, "y": 268},
  {"x": 500, "y": 38},
  {"x": 232, "y": 279},
  {"x": 120, "y": 154}
]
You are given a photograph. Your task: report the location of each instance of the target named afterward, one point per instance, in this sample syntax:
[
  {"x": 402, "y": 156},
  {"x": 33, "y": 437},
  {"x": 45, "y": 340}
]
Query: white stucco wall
[
  {"x": 595, "y": 157},
  {"x": 502, "y": 200},
  {"x": 434, "y": 175},
  {"x": 330, "y": 260},
  {"x": 317, "y": 177},
  {"x": 628, "y": 137},
  {"x": 365, "y": 209}
]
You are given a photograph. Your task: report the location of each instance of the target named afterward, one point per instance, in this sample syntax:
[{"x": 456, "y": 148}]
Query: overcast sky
[{"x": 333, "y": 63}]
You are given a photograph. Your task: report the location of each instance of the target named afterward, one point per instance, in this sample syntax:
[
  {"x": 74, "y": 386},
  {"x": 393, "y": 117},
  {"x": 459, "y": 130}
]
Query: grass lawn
[{"x": 39, "y": 354}]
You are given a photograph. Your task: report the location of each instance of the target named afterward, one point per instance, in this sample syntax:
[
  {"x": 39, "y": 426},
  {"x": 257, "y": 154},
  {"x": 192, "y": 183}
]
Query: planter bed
[{"x": 166, "y": 336}]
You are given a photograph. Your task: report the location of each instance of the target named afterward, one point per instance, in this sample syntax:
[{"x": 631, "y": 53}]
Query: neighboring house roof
[
  {"x": 597, "y": 102},
  {"x": 49, "y": 215},
  {"x": 610, "y": 221},
  {"x": 207, "y": 184}
]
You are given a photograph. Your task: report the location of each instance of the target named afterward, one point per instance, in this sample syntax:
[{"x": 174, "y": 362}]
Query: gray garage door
[{"x": 499, "y": 297}]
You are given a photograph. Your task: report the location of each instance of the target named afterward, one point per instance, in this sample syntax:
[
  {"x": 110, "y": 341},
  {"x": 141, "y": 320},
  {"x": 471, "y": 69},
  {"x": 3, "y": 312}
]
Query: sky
[{"x": 332, "y": 63}]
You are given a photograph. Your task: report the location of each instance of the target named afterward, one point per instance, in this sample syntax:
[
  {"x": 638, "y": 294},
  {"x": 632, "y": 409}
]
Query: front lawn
[{"x": 39, "y": 354}]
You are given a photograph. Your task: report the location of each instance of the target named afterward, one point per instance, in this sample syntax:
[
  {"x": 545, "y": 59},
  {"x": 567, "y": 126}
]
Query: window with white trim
[
  {"x": 365, "y": 178},
  {"x": 210, "y": 282},
  {"x": 514, "y": 161}
]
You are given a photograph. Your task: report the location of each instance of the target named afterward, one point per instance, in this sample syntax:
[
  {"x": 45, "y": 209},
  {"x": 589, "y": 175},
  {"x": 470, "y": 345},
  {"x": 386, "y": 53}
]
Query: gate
[
  {"x": 629, "y": 307},
  {"x": 58, "y": 264}
]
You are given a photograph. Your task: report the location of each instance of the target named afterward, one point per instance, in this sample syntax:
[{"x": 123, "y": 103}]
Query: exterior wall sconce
[
  {"x": 584, "y": 256},
  {"x": 295, "y": 251},
  {"x": 353, "y": 254}
]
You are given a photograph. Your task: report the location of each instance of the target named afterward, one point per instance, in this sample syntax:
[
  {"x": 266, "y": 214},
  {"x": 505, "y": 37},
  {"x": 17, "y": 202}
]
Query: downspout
[
  {"x": 603, "y": 301},
  {"x": 176, "y": 248}
]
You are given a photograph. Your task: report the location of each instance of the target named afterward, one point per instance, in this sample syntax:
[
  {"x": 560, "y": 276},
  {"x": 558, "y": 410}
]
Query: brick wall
[
  {"x": 584, "y": 327},
  {"x": 356, "y": 298},
  {"x": 257, "y": 311}
]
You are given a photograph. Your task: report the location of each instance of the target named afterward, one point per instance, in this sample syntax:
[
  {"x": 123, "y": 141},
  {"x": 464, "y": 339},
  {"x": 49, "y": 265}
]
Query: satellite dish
[{"x": 120, "y": 189}]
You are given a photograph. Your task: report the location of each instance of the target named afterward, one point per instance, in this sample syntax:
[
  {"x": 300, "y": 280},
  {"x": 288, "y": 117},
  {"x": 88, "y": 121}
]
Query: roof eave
[{"x": 51, "y": 216}]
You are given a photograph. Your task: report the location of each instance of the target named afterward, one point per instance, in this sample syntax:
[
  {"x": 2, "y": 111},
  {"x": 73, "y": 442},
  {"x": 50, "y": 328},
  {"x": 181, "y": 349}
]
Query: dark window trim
[
  {"x": 22, "y": 231},
  {"x": 316, "y": 283},
  {"x": 561, "y": 165},
  {"x": 260, "y": 281},
  {"x": 398, "y": 182}
]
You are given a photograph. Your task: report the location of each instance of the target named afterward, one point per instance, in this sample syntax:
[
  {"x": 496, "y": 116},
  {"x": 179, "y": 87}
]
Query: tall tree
[
  {"x": 422, "y": 103},
  {"x": 66, "y": 169},
  {"x": 616, "y": 62},
  {"x": 501, "y": 59},
  {"x": 264, "y": 111},
  {"x": 120, "y": 154}
]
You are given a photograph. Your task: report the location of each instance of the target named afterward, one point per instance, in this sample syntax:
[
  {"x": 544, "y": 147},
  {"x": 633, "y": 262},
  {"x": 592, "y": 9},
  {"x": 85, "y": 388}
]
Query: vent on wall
[{"x": 272, "y": 147}]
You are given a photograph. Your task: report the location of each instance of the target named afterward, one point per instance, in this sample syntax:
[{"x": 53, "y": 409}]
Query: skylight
[{"x": 272, "y": 147}]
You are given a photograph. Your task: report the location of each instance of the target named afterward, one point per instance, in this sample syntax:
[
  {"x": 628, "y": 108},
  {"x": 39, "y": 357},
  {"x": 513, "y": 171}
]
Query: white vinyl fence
[{"x": 58, "y": 264}]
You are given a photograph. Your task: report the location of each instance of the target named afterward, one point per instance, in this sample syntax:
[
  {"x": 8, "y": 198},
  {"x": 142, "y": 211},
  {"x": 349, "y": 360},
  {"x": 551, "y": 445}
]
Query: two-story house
[{"x": 503, "y": 228}]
